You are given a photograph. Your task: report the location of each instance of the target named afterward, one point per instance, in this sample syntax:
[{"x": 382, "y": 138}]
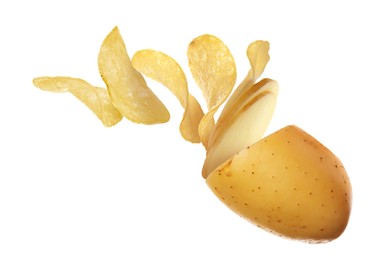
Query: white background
[{"x": 72, "y": 189}]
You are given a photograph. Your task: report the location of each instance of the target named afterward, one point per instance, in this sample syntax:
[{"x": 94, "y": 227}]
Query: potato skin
[{"x": 289, "y": 184}]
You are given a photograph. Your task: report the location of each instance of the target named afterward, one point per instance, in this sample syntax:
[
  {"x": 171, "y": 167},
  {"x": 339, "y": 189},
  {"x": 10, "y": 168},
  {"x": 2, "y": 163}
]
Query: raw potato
[
  {"x": 287, "y": 183},
  {"x": 245, "y": 125},
  {"x": 257, "y": 53}
]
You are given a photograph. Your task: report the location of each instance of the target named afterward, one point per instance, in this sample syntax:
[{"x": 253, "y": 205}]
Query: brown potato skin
[{"x": 289, "y": 184}]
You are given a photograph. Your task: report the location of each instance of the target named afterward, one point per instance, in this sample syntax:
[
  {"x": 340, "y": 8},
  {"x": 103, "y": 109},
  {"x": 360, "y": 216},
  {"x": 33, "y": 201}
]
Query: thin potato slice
[
  {"x": 126, "y": 86},
  {"x": 165, "y": 70},
  {"x": 245, "y": 127},
  {"x": 95, "y": 98},
  {"x": 214, "y": 70},
  {"x": 258, "y": 56}
]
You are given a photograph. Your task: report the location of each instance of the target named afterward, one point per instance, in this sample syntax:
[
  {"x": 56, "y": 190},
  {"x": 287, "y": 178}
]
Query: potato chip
[
  {"x": 127, "y": 88},
  {"x": 95, "y": 98},
  {"x": 258, "y": 56},
  {"x": 214, "y": 70},
  {"x": 191, "y": 119},
  {"x": 165, "y": 70}
]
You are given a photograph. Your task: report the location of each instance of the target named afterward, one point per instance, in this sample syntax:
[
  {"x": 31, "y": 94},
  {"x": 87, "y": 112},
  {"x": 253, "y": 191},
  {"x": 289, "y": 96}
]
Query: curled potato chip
[
  {"x": 214, "y": 70},
  {"x": 127, "y": 88},
  {"x": 258, "y": 56},
  {"x": 191, "y": 119},
  {"x": 95, "y": 98},
  {"x": 165, "y": 70}
]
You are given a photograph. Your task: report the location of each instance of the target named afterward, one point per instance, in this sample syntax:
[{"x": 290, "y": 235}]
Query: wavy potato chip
[
  {"x": 165, "y": 70},
  {"x": 214, "y": 70},
  {"x": 127, "y": 88},
  {"x": 95, "y": 98},
  {"x": 192, "y": 117},
  {"x": 258, "y": 56}
]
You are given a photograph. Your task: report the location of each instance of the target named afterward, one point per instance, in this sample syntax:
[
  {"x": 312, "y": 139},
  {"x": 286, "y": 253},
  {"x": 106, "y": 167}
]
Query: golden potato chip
[
  {"x": 127, "y": 88},
  {"x": 165, "y": 70},
  {"x": 95, "y": 98},
  {"x": 258, "y": 56},
  {"x": 214, "y": 70},
  {"x": 190, "y": 123}
]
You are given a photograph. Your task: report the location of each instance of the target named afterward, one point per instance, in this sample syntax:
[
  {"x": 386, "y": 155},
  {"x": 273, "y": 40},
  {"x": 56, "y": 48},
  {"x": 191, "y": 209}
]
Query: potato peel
[
  {"x": 214, "y": 70},
  {"x": 127, "y": 88},
  {"x": 287, "y": 183},
  {"x": 165, "y": 70},
  {"x": 95, "y": 98}
]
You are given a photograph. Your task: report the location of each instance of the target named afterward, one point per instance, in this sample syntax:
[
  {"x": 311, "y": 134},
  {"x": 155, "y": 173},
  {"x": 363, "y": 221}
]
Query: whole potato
[{"x": 287, "y": 183}]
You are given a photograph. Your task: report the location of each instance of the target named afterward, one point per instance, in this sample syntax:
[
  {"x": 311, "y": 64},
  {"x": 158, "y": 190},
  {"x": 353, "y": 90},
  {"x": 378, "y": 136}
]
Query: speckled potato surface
[{"x": 287, "y": 183}]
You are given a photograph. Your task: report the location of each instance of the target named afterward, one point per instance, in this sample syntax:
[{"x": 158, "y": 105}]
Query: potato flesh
[
  {"x": 245, "y": 127},
  {"x": 287, "y": 183},
  {"x": 258, "y": 56},
  {"x": 230, "y": 113}
]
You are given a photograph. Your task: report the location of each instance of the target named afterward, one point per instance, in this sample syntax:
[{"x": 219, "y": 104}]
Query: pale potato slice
[
  {"x": 287, "y": 183},
  {"x": 244, "y": 127},
  {"x": 127, "y": 88},
  {"x": 224, "y": 121},
  {"x": 257, "y": 53},
  {"x": 165, "y": 70},
  {"x": 95, "y": 98},
  {"x": 214, "y": 70}
]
